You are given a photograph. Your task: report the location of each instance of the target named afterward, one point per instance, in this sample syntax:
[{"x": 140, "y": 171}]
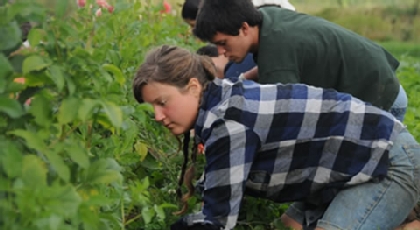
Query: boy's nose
[{"x": 221, "y": 50}]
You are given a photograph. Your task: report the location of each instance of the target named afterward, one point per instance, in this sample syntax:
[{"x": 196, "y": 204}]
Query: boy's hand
[{"x": 251, "y": 74}]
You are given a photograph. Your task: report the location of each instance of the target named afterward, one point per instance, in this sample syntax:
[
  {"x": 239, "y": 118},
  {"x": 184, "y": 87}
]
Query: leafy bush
[
  {"x": 409, "y": 75},
  {"x": 82, "y": 155}
]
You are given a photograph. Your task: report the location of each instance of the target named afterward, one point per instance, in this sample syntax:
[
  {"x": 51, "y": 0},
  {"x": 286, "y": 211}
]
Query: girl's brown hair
[{"x": 175, "y": 66}]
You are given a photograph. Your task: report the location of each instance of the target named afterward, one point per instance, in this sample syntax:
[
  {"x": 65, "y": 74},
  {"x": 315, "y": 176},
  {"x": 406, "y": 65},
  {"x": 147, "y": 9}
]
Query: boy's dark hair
[
  {"x": 225, "y": 16},
  {"x": 208, "y": 50},
  {"x": 190, "y": 9}
]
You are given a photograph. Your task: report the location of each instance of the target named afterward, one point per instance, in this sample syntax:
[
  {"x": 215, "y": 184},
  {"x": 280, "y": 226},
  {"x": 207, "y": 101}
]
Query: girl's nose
[{"x": 159, "y": 116}]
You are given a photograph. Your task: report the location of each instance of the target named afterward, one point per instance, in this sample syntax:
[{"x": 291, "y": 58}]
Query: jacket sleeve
[{"x": 230, "y": 150}]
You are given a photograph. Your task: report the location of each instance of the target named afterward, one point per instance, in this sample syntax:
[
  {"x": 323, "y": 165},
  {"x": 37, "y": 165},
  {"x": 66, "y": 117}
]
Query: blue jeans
[
  {"x": 399, "y": 108},
  {"x": 370, "y": 206}
]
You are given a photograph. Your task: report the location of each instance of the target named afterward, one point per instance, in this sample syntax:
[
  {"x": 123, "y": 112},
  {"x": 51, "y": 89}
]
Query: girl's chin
[{"x": 177, "y": 130}]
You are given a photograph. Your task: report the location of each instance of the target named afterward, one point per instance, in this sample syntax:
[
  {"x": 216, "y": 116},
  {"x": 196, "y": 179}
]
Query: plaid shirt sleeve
[{"x": 230, "y": 151}]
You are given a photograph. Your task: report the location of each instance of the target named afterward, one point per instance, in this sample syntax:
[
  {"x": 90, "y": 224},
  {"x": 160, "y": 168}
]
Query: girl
[{"x": 349, "y": 164}]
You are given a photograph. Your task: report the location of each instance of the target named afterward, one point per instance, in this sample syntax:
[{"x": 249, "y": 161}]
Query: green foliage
[
  {"x": 402, "y": 49},
  {"x": 409, "y": 75},
  {"x": 81, "y": 154},
  {"x": 382, "y": 24}
]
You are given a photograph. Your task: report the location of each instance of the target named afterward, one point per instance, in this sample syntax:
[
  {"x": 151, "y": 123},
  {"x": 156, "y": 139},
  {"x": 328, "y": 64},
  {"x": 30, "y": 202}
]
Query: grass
[{"x": 402, "y": 49}]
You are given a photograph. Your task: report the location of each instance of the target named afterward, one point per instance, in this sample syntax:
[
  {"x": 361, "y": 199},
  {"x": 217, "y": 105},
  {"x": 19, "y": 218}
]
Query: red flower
[
  {"x": 166, "y": 8},
  {"x": 200, "y": 148}
]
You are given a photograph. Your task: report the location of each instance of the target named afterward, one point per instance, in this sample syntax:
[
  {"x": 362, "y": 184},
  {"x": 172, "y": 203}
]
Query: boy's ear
[{"x": 245, "y": 28}]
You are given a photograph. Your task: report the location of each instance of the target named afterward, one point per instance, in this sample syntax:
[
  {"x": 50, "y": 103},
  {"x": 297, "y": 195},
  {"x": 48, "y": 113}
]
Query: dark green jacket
[{"x": 299, "y": 48}]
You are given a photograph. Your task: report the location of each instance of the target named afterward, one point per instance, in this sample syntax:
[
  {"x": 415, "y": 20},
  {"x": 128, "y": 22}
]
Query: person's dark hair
[
  {"x": 208, "y": 50},
  {"x": 25, "y": 27},
  {"x": 225, "y": 16},
  {"x": 190, "y": 9}
]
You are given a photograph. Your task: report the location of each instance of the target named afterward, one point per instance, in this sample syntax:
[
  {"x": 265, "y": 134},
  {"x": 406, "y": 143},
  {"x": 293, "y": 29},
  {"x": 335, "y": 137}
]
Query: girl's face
[{"x": 175, "y": 108}]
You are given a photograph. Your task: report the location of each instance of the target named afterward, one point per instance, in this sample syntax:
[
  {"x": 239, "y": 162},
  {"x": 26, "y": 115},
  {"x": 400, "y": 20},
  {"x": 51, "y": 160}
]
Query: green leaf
[
  {"x": 10, "y": 36},
  {"x": 147, "y": 214},
  {"x": 5, "y": 67},
  {"x": 11, "y": 159},
  {"x": 86, "y": 108},
  {"x": 61, "y": 6},
  {"x": 102, "y": 172},
  {"x": 118, "y": 75},
  {"x": 71, "y": 87},
  {"x": 78, "y": 155},
  {"x": 159, "y": 212},
  {"x": 33, "y": 63},
  {"x": 143, "y": 185},
  {"x": 32, "y": 139},
  {"x": 63, "y": 200},
  {"x": 68, "y": 110},
  {"x": 34, "y": 173},
  {"x": 114, "y": 57},
  {"x": 113, "y": 113},
  {"x": 41, "y": 109},
  {"x": 35, "y": 36},
  {"x": 11, "y": 107},
  {"x": 278, "y": 224},
  {"x": 53, "y": 222},
  {"x": 58, "y": 164},
  {"x": 56, "y": 74},
  {"x": 151, "y": 163},
  {"x": 141, "y": 149}
]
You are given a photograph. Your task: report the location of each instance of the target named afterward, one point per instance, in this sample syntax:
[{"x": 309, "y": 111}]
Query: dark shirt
[{"x": 300, "y": 48}]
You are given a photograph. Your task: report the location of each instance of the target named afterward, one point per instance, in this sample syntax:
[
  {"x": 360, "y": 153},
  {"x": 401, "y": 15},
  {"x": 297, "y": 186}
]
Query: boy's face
[{"x": 235, "y": 48}]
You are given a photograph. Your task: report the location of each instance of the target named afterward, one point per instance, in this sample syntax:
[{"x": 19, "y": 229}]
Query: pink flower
[
  {"x": 102, "y": 3},
  {"x": 81, "y": 3},
  {"x": 28, "y": 102},
  {"x": 110, "y": 9},
  {"x": 20, "y": 80},
  {"x": 98, "y": 12}
]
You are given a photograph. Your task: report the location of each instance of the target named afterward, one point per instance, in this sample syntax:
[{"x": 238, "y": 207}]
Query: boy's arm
[
  {"x": 281, "y": 3},
  {"x": 251, "y": 74}
]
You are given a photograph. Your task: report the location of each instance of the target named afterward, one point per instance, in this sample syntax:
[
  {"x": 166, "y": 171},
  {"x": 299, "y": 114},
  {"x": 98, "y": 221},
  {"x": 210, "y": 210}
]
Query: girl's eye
[{"x": 162, "y": 103}]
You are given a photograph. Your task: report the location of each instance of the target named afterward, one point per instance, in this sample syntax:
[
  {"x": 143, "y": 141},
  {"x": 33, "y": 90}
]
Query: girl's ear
[{"x": 194, "y": 87}]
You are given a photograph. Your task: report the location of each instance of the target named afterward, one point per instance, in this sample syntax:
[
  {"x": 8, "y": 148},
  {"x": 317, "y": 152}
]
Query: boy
[{"x": 291, "y": 47}]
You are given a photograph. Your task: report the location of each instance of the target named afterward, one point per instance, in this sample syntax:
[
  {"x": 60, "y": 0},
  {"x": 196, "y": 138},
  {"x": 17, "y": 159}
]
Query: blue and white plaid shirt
[{"x": 286, "y": 143}]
